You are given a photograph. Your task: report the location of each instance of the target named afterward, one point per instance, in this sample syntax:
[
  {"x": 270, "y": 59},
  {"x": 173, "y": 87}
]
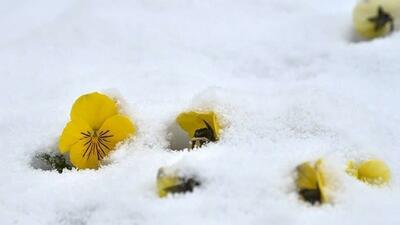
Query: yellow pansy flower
[
  {"x": 202, "y": 127},
  {"x": 170, "y": 182},
  {"x": 372, "y": 171},
  {"x": 310, "y": 182},
  {"x": 94, "y": 130}
]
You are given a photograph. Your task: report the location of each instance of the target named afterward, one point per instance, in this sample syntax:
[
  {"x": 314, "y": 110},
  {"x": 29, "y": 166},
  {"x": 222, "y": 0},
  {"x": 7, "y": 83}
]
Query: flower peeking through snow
[
  {"x": 375, "y": 18},
  {"x": 169, "y": 181},
  {"x": 311, "y": 182},
  {"x": 372, "y": 171},
  {"x": 94, "y": 130},
  {"x": 202, "y": 127}
]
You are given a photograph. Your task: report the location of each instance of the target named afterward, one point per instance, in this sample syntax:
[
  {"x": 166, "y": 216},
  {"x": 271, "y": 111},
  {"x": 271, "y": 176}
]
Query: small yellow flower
[
  {"x": 375, "y": 18},
  {"x": 94, "y": 130},
  {"x": 372, "y": 171},
  {"x": 169, "y": 181},
  {"x": 202, "y": 127},
  {"x": 311, "y": 182}
]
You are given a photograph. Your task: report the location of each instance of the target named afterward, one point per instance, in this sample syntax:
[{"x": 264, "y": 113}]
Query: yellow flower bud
[{"x": 375, "y": 18}]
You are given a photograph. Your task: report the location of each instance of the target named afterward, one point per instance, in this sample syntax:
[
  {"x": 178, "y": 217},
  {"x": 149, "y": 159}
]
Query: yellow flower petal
[
  {"x": 84, "y": 155},
  {"x": 89, "y": 147},
  {"x": 307, "y": 177},
  {"x": 321, "y": 181},
  {"x": 192, "y": 121},
  {"x": 116, "y": 129},
  {"x": 94, "y": 108},
  {"x": 94, "y": 146},
  {"x": 72, "y": 133}
]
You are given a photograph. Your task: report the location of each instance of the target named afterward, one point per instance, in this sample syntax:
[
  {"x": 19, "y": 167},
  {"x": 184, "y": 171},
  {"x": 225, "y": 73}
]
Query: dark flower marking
[
  {"x": 96, "y": 143},
  {"x": 381, "y": 19},
  {"x": 203, "y": 136}
]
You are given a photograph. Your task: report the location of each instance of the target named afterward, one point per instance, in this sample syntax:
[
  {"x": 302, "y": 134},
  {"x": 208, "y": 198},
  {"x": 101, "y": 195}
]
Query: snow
[{"x": 288, "y": 78}]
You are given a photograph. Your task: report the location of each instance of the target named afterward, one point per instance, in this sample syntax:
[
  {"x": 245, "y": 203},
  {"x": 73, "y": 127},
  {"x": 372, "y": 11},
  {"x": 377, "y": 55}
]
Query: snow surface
[{"x": 288, "y": 78}]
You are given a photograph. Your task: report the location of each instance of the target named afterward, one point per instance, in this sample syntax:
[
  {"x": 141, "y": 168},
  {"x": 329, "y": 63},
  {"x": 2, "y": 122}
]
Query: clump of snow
[{"x": 286, "y": 76}]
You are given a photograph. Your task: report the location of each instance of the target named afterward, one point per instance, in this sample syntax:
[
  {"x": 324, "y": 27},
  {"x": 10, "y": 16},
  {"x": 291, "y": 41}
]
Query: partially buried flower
[
  {"x": 372, "y": 171},
  {"x": 202, "y": 127},
  {"x": 94, "y": 130},
  {"x": 171, "y": 181},
  {"x": 310, "y": 182},
  {"x": 375, "y": 18}
]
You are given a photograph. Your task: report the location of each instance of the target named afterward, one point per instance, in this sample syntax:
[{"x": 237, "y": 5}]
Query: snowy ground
[{"x": 287, "y": 77}]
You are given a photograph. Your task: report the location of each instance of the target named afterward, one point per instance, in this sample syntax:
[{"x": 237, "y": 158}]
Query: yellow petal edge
[{"x": 94, "y": 108}]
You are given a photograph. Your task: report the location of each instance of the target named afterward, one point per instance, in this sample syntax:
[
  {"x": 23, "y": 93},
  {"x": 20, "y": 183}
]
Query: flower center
[{"x": 96, "y": 143}]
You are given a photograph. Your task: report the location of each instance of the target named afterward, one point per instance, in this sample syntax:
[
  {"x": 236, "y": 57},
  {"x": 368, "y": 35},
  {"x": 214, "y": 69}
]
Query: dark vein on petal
[
  {"x": 98, "y": 155},
  {"x": 101, "y": 152},
  {"x": 101, "y": 142},
  {"x": 105, "y": 132},
  {"x": 87, "y": 148},
  {"x": 107, "y": 136},
  {"x": 86, "y": 135},
  {"x": 91, "y": 149},
  {"x": 90, "y": 140},
  {"x": 101, "y": 148}
]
